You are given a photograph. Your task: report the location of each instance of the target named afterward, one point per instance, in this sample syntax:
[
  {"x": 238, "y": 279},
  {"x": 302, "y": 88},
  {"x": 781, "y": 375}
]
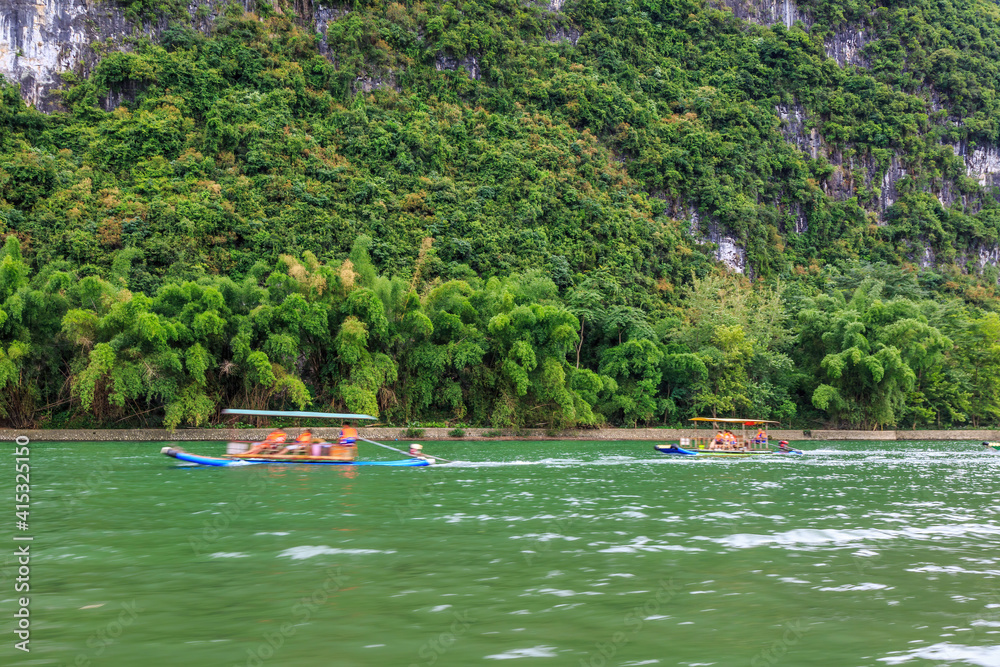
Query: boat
[
  {"x": 737, "y": 445},
  {"x": 992, "y": 447},
  {"x": 304, "y": 450},
  {"x": 231, "y": 461}
]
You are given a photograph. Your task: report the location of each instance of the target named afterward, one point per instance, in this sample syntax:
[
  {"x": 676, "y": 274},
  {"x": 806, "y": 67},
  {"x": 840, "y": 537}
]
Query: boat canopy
[
  {"x": 283, "y": 413},
  {"x": 733, "y": 420}
]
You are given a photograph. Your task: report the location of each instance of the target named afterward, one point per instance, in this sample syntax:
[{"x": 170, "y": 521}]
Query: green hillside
[{"x": 482, "y": 214}]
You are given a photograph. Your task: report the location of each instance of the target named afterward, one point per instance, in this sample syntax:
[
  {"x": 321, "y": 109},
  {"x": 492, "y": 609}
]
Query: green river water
[{"x": 544, "y": 553}]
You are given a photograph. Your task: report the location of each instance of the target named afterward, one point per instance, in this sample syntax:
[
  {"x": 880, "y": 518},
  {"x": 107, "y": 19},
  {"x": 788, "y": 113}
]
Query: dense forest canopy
[{"x": 497, "y": 214}]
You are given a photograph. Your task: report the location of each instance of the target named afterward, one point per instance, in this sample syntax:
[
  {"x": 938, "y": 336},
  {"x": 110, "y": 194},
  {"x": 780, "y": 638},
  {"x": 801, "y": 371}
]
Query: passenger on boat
[
  {"x": 718, "y": 442},
  {"x": 348, "y": 436},
  {"x": 760, "y": 438},
  {"x": 273, "y": 440},
  {"x": 300, "y": 445},
  {"x": 416, "y": 451},
  {"x": 730, "y": 440}
]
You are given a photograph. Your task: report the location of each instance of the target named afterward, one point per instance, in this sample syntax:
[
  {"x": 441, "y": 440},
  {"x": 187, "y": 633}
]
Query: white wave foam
[
  {"x": 645, "y": 547},
  {"x": 544, "y": 537},
  {"x": 536, "y": 652},
  {"x": 810, "y": 536},
  {"x": 867, "y": 586},
  {"x": 299, "y": 553},
  {"x": 984, "y": 656},
  {"x": 564, "y": 593}
]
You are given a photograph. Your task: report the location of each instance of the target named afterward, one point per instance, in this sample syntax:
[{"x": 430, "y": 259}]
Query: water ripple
[{"x": 984, "y": 656}]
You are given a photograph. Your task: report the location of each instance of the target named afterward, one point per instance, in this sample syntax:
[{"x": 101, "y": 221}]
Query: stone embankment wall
[{"x": 399, "y": 434}]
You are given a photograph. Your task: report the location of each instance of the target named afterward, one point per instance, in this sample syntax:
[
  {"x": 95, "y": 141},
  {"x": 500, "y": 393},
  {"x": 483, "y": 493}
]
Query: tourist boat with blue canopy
[
  {"x": 304, "y": 449},
  {"x": 725, "y": 443}
]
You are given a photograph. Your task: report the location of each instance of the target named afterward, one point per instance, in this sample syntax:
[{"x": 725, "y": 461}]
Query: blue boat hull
[
  {"x": 674, "y": 450},
  {"x": 215, "y": 461}
]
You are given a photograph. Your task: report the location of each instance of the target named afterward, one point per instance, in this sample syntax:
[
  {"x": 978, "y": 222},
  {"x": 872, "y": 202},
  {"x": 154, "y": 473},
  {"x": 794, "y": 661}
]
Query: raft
[
  {"x": 675, "y": 450},
  {"x": 181, "y": 455},
  {"x": 731, "y": 445}
]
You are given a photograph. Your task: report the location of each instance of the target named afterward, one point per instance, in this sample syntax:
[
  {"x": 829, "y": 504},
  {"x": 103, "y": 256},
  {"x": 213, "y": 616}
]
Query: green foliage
[
  {"x": 874, "y": 358},
  {"x": 498, "y": 231}
]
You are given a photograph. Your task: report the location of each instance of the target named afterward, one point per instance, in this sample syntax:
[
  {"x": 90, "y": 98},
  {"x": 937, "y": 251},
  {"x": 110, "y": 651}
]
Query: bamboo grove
[
  {"x": 870, "y": 347},
  {"x": 461, "y": 213}
]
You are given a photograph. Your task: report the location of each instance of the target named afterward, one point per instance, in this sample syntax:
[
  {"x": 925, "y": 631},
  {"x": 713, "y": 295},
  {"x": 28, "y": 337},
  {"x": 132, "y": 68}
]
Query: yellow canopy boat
[{"x": 726, "y": 443}]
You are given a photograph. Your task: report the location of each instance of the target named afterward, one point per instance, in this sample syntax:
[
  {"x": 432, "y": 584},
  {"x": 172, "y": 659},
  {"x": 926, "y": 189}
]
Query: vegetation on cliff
[{"x": 479, "y": 214}]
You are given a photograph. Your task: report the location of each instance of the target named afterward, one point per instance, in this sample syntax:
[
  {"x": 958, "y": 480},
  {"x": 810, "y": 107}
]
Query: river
[{"x": 545, "y": 553}]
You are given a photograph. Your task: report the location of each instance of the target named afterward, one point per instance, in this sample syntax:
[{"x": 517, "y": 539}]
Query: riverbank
[{"x": 398, "y": 434}]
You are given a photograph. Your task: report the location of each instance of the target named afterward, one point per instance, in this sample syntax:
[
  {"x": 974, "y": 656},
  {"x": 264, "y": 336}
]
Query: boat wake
[
  {"x": 810, "y": 537},
  {"x": 986, "y": 656}
]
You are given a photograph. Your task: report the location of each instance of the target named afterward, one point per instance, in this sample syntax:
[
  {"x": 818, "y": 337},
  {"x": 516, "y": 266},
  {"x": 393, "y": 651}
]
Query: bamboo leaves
[{"x": 868, "y": 351}]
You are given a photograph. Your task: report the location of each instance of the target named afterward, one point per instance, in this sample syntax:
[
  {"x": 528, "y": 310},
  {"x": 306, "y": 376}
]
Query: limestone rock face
[
  {"x": 727, "y": 249},
  {"x": 39, "y": 39},
  {"x": 323, "y": 16},
  {"x": 767, "y": 12},
  {"x": 42, "y": 39},
  {"x": 468, "y": 63},
  {"x": 846, "y": 47},
  {"x": 982, "y": 163}
]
